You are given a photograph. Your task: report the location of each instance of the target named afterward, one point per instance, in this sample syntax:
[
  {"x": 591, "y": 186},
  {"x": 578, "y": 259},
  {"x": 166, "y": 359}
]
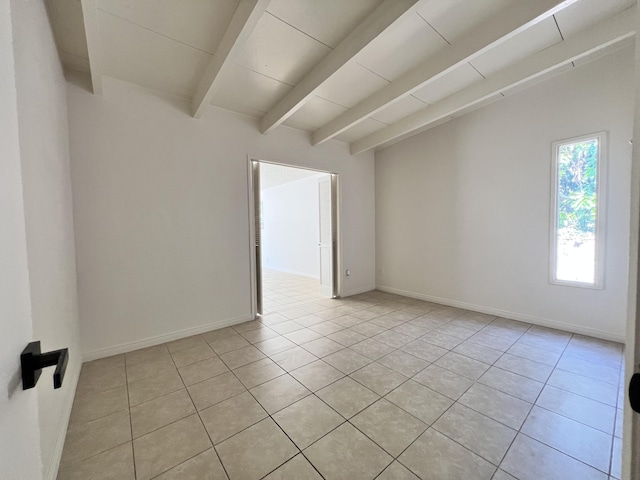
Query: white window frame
[{"x": 600, "y": 228}]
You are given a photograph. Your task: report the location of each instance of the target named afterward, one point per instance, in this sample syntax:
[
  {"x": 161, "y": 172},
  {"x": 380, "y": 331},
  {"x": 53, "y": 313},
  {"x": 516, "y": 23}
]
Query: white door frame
[
  {"x": 336, "y": 208},
  {"x": 631, "y": 426}
]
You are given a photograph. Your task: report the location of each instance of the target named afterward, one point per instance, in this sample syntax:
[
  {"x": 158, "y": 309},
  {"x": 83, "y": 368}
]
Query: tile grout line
[
  {"x": 133, "y": 450},
  {"x": 397, "y": 307},
  {"x": 201, "y": 422}
]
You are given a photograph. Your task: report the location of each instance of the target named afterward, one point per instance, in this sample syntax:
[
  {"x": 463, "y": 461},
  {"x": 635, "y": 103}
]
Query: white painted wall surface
[
  {"x": 462, "y": 210},
  {"x": 161, "y": 213},
  {"x": 291, "y": 227},
  {"x": 19, "y": 430},
  {"x": 44, "y": 150}
]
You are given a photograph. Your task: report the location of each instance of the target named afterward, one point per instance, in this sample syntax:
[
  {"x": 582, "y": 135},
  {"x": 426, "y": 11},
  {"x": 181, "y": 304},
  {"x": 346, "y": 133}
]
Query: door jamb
[{"x": 337, "y": 237}]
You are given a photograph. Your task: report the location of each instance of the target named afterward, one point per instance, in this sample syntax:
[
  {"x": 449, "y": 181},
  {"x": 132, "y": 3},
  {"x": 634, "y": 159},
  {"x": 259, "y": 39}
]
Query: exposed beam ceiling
[
  {"x": 93, "y": 46},
  {"x": 515, "y": 18},
  {"x": 607, "y": 33},
  {"x": 244, "y": 21},
  {"x": 375, "y": 24}
]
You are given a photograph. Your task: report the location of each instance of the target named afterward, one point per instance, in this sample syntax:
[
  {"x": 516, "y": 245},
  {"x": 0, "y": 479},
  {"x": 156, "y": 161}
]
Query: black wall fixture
[{"x": 33, "y": 361}]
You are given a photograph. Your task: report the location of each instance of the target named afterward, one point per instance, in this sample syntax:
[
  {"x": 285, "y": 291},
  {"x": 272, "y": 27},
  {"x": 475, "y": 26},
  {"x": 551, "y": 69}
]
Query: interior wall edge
[
  {"x": 160, "y": 339},
  {"x": 521, "y": 317}
]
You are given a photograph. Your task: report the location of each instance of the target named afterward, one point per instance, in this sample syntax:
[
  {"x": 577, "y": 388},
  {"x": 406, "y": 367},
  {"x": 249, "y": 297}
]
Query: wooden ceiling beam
[
  {"x": 513, "y": 19},
  {"x": 92, "y": 36},
  {"x": 612, "y": 31},
  {"x": 243, "y": 22},
  {"x": 385, "y": 15}
]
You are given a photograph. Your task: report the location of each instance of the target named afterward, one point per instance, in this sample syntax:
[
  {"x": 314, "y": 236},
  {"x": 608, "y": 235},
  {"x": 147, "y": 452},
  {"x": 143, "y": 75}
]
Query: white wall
[
  {"x": 291, "y": 227},
  {"x": 40, "y": 94},
  {"x": 19, "y": 431},
  {"x": 161, "y": 213},
  {"x": 462, "y": 210}
]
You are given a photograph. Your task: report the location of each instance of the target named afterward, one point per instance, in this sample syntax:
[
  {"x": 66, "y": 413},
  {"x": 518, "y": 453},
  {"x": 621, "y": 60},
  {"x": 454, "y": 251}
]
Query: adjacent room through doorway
[{"x": 295, "y": 228}]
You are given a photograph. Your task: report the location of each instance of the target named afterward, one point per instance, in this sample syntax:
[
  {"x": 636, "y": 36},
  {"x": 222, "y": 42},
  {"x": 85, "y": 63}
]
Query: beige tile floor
[{"x": 371, "y": 386}]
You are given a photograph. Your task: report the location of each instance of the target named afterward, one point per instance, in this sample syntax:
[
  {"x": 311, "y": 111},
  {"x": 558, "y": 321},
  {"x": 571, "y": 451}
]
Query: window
[{"x": 577, "y": 230}]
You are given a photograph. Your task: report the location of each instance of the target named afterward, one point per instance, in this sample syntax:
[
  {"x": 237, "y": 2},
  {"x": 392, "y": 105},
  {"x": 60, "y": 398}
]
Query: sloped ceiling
[{"x": 367, "y": 72}]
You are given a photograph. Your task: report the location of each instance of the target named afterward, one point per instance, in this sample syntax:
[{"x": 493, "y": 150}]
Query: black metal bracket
[{"x": 33, "y": 361}]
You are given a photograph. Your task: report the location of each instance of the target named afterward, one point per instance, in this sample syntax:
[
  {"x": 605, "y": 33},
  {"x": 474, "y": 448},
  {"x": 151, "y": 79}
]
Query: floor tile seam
[
  {"x": 84, "y": 391},
  {"x": 474, "y": 380},
  {"x": 127, "y": 364},
  {"x": 289, "y": 404},
  {"x": 522, "y": 334},
  {"x": 524, "y": 342},
  {"x": 615, "y": 385},
  {"x": 590, "y": 426},
  {"x": 197, "y": 335},
  {"x": 595, "y": 363},
  {"x": 394, "y": 457},
  {"x": 571, "y": 355},
  {"x": 537, "y": 397},
  {"x": 178, "y": 464},
  {"x": 525, "y": 376},
  {"x": 78, "y": 424},
  {"x": 220, "y": 354},
  {"x": 207, "y": 431},
  {"x": 495, "y": 419},
  {"x": 302, "y": 450},
  {"x": 104, "y": 369},
  {"x": 91, "y": 394},
  {"x": 519, "y": 430},
  {"x": 457, "y": 443},
  {"x": 512, "y": 354},
  {"x": 555, "y": 363},
  {"x": 270, "y": 416},
  {"x": 406, "y": 379},
  {"x": 161, "y": 371},
  {"x": 196, "y": 361},
  {"x": 133, "y": 451},
  {"x": 331, "y": 383},
  {"x": 195, "y": 411},
  {"x": 565, "y": 453},
  {"x": 565, "y": 389},
  {"x": 77, "y": 462},
  {"x": 409, "y": 413},
  {"x": 202, "y": 381},
  {"x": 476, "y": 359},
  {"x": 511, "y": 394},
  {"x": 214, "y": 444},
  {"x": 311, "y": 463},
  {"x": 185, "y": 461},
  {"x": 496, "y": 465}
]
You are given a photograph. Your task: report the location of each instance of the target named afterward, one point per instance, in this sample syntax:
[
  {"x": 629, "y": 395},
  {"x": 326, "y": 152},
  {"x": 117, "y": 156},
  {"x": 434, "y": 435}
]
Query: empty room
[{"x": 319, "y": 239}]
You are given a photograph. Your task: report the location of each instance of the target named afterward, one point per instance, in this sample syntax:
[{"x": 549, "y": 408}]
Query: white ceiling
[{"x": 168, "y": 46}]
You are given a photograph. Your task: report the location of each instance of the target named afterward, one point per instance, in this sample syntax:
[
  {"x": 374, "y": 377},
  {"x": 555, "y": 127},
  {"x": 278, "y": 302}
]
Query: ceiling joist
[
  {"x": 90, "y": 18},
  {"x": 515, "y": 18},
  {"x": 242, "y": 23},
  {"x": 606, "y": 34},
  {"x": 367, "y": 31}
]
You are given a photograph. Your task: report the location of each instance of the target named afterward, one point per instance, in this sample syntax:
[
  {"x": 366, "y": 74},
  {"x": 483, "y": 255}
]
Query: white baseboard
[
  {"x": 157, "y": 340},
  {"x": 51, "y": 471},
  {"x": 293, "y": 272},
  {"x": 543, "y": 322}
]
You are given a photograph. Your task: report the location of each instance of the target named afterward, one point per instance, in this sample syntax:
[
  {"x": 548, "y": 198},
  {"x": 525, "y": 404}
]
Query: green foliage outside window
[{"x": 577, "y": 167}]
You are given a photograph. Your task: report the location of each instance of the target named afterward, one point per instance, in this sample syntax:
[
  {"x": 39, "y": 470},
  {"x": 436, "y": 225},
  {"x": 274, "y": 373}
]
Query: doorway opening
[{"x": 294, "y": 235}]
